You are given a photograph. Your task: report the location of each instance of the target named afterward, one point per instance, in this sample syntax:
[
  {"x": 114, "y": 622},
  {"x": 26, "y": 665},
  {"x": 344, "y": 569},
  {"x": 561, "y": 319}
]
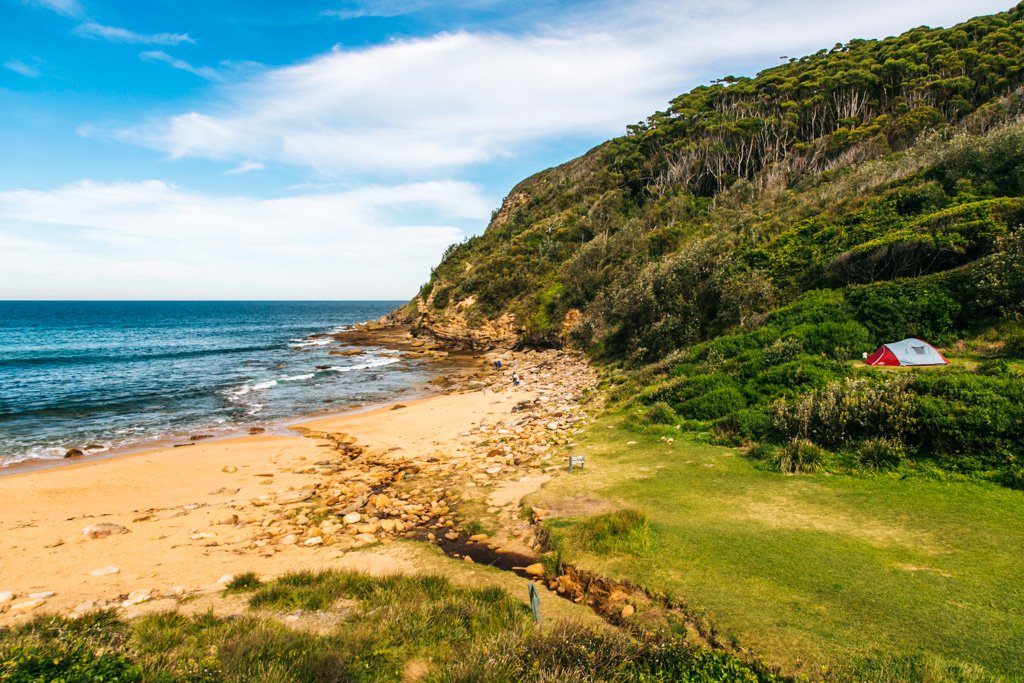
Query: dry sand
[{"x": 190, "y": 522}]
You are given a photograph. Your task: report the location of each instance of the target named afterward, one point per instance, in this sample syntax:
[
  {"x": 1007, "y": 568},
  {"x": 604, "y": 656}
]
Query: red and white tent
[{"x": 909, "y": 352}]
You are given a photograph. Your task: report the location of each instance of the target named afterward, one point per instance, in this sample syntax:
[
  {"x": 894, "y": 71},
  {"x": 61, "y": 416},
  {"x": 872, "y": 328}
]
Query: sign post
[
  {"x": 575, "y": 461},
  {"x": 535, "y": 602}
]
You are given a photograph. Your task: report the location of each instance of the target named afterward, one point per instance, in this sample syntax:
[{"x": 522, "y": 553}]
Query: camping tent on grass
[{"x": 907, "y": 352}]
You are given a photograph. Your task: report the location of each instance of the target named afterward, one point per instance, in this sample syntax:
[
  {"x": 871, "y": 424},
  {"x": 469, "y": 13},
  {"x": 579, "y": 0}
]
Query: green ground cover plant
[
  {"x": 865, "y": 577},
  {"x": 378, "y": 628}
]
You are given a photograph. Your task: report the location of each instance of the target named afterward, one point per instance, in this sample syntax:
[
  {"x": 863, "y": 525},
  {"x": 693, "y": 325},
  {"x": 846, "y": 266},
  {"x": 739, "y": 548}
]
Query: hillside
[{"x": 737, "y": 251}]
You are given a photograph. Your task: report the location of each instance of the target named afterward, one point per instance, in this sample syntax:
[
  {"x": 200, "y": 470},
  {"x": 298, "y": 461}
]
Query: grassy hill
[{"x": 736, "y": 252}]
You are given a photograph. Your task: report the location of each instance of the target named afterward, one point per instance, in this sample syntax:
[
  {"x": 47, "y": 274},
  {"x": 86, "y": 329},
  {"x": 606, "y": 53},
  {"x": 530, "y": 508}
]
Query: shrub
[
  {"x": 763, "y": 451},
  {"x": 837, "y": 340},
  {"x": 879, "y": 454},
  {"x": 800, "y": 456},
  {"x": 660, "y": 413},
  {"x": 850, "y": 409},
  {"x": 995, "y": 367},
  {"x": 1013, "y": 345},
  {"x": 747, "y": 423},
  {"x": 713, "y": 405}
]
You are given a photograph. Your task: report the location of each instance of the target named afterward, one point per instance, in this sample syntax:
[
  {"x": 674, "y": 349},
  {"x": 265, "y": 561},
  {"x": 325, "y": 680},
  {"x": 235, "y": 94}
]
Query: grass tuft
[
  {"x": 243, "y": 583},
  {"x": 623, "y": 532}
]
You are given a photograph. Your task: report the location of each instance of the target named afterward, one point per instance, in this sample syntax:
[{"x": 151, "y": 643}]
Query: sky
[{"x": 332, "y": 149}]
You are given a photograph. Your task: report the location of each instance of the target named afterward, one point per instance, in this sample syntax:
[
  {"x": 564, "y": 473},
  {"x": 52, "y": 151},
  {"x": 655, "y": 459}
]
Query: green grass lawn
[{"x": 813, "y": 571}]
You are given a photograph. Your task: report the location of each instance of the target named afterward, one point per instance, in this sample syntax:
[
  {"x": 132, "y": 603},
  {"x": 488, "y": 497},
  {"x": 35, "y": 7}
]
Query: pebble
[
  {"x": 230, "y": 469},
  {"x": 105, "y": 571},
  {"x": 138, "y": 597},
  {"x": 42, "y": 595},
  {"x": 6, "y": 596},
  {"x": 289, "y": 497},
  {"x": 103, "y": 530},
  {"x": 84, "y": 606},
  {"x": 315, "y": 540},
  {"x": 627, "y": 611},
  {"x": 352, "y": 518},
  {"x": 27, "y": 606}
]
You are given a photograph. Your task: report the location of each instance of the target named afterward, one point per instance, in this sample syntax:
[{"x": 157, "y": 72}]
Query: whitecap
[
  {"x": 301, "y": 343},
  {"x": 379, "y": 362},
  {"x": 296, "y": 378}
]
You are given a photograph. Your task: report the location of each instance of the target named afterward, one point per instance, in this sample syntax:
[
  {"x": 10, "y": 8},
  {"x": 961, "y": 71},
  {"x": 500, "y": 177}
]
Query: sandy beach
[{"x": 148, "y": 530}]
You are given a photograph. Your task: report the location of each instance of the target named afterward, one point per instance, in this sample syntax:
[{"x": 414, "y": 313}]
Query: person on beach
[
  {"x": 497, "y": 365},
  {"x": 515, "y": 379}
]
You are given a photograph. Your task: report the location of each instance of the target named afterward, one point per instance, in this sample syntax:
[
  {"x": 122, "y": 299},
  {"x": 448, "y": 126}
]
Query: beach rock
[
  {"x": 452, "y": 536},
  {"x": 225, "y": 580},
  {"x": 103, "y": 530},
  {"x": 387, "y": 525},
  {"x": 105, "y": 571},
  {"x": 138, "y": 597},
  {"x": 367, "y": 538},
  {"x": 369, "y": 528},
  {"x": 42, "y": 595},
  {"x": 84, "y": 606},
  {"x": 74, "y": 453},
  {"x": 627, "y": 611},
  {"x": 230, "y": 469},
  {"x": 27, "y": 606},
  {"x": 256, "y": 430},
  {"x": 289, "y": 497},
  {"x": 352, "y": 518},
  {"x": 476, "y": 538},
  {"x": 315, "y": 540},
  {"x": 536, "y": 569},
  {"x": 6, "y": 596}
]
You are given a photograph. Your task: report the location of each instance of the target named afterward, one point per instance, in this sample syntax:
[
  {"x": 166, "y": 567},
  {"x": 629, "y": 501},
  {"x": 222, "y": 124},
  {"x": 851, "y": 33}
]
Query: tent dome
[{"x": 907, "y": 353}]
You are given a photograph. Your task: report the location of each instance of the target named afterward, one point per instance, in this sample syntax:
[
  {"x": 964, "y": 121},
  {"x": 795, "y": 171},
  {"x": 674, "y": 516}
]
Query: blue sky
[{"x": 333, "y": 149}]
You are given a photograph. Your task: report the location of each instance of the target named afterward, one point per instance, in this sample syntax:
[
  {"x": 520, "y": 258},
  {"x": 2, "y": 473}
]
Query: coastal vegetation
[
  {"x": 879, "y": 578},
  {"x": 765, "y": 505},
  {"x": 734, "y": 253},
  {"x": 727, "y": 263},
  {"x": 369, "y": 629}
]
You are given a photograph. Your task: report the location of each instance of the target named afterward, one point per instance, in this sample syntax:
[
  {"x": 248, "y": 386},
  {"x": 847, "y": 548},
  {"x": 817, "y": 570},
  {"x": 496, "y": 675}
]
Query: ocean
[{"x": 107, "y": 375}]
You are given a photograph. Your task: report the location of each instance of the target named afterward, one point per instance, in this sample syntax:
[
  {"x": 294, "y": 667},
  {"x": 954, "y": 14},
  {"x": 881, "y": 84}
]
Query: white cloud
[
  {"x": 245, "y": 167},
  {"x": 396, "y": 8},
  {"x": 116, "y": 34},
  {"x": 152, "y": 239},
  {"x": 458, "y": 99},
  {"x": 18, "y": 66},
  {"x": 206, "y": 72},
  {"x": 67, "y": 8}
]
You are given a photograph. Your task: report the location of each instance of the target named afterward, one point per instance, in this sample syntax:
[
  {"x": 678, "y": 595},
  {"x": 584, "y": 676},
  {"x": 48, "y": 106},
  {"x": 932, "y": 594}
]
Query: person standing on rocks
[{"x": 515, "y": 379}]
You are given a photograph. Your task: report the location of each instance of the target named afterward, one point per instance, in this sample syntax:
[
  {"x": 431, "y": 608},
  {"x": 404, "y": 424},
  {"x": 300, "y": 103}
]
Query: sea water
[{"x": 105, "y": 375}]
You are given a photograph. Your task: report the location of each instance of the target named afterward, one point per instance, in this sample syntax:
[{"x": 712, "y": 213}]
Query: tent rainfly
[{"x": 908, "y": 352}]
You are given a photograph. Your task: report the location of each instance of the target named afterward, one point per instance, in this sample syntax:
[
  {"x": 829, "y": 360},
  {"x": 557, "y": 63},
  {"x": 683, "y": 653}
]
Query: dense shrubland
[{"x": 738, "y": 251}]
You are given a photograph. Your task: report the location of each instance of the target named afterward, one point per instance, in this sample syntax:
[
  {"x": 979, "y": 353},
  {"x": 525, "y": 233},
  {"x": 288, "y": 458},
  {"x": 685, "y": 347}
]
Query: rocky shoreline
[{"x": 458, "y": 483}]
